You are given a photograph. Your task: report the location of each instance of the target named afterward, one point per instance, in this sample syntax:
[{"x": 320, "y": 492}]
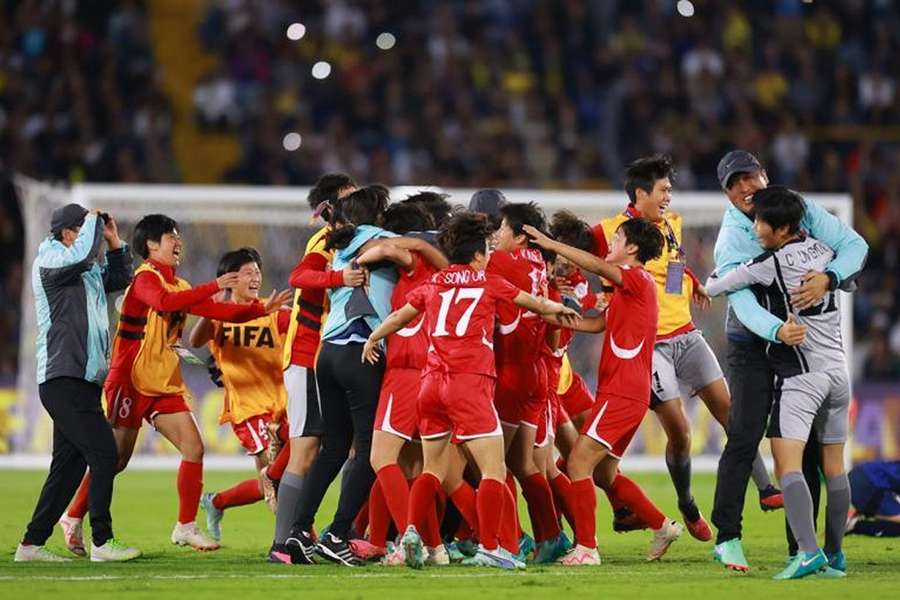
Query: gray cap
[
  {"x": 488, "y": 201},
  {"x": 736, "y": 161},
  {"x": 67, "y": 217}
]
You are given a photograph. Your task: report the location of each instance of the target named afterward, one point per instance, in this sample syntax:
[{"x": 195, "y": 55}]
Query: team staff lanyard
[{"x": 675, "y": 266}]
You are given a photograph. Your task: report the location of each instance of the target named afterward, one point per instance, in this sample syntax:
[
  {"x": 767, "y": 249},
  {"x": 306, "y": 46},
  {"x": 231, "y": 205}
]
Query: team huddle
[{"x": 423, "y": 357}]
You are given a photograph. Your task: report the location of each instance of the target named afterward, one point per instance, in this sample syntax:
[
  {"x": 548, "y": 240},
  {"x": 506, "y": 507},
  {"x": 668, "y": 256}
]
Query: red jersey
[
  {"x": 520, "y": 332},
  {"x": 627, "y": 355},
  {"x": 408, "y": 348},
  {"x": 459, "y": 305},
  {"x": 147, "y": 293}
]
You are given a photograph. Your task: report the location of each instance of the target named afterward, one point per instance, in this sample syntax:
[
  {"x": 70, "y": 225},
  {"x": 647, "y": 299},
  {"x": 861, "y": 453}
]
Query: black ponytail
[{"x": 365, "y": 206}]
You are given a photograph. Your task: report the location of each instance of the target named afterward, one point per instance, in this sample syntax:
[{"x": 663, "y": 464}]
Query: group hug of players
[{"x": 424, "y": 357}]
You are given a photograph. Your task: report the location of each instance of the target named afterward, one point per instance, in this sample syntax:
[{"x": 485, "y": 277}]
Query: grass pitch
[{"x": 144, "y": 510}]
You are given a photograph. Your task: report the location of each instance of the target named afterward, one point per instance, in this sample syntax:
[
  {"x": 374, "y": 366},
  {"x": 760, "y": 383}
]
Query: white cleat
[
  {"x": 188, "y": 534},
  {"x": 437, "y": 556},
  {"x": 580, "y": 556},
  {"x": 73, "y": 534},
  {"x": 663, "y": 538},
  {"x": 33, "y": 553},
  {"x": 113, "y": 551}
]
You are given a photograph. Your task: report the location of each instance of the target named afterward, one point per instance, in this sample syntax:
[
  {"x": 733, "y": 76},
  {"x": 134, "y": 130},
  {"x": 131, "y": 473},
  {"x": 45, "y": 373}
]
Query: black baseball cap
[
  {"x": 67, "y": 217},
  {"x": 736, "y": 161},
  {"x": 488, "y": 201}
]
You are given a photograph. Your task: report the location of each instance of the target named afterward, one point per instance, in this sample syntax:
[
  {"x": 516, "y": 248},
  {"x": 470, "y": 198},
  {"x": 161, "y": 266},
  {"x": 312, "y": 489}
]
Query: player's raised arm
[
  {"x": 760, "y": 270},
  {"x": 585, "y": 260},
  {"x": 394, "y": 323}
]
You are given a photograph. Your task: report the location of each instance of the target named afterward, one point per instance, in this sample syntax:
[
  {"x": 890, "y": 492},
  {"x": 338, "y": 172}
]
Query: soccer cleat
[
  {"x": 413, "y": 549},
  {"x": 363, "y": 549},
  {"x": 213, "y": 516},
  {"x": 337, "y": 550},
  {"x": 695, "y": 523},
  {"x": 580, "y": 556},
  {"x": 551, "y": 550},
  {"x": 731, "y": 554},
  {"x": 567, "y": 543},
  {"x": 497, "y": 558},
  {"x": 437, "y": 556},
  {"x": 830, "y": 573},
  {"x": 279, "y": 554},
  {"x": 301, "y": 546},
  {"x": 663, "y": 538},
  {"x": 394, "y": 558},
  {"x": 803, "y": 564},
  {"x": 188, "y": 534},
  {"x": 837, "y": 561},
  {"x": 268, "y": 489},
  {"x": 454, "y": 553},
  {"x": 624, "y": 520},
  {"x": 770, "y": 499},
  {"x": 73, "y": 534},
  {"x": 113, "y": 551},
  {"x": 526, "y": 547},
  {"x": 32, "y": 553}
]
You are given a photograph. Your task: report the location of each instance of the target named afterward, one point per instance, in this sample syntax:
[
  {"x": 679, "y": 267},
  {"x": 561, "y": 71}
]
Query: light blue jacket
[
  {"x": 737, "y": 243},
  {"x": 381, "y": 285},
  {"x": 70, "y": 286}
]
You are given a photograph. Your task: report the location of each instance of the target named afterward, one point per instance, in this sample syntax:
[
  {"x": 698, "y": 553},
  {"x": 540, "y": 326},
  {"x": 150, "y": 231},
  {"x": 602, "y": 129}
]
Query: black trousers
[
  {"x": 751, "y": 381},
  {"x": 348, "y": 394},
  {"x": 82, "y": 438}
]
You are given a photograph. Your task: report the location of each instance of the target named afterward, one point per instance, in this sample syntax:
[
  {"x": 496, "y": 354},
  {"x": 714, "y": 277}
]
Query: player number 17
[{"x": 452, "y": 296}]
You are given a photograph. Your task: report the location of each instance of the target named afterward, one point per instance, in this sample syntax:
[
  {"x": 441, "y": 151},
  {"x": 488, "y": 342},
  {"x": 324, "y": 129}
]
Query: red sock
[
  {"x": 509, "y": 525},
  {"x": 379, "y": 516},
  {"x": 583, "y": 500},
  {"x": 489, "y": 500},
  {"x": 79, "y": 506},
  {"x": 560, "y": 486},
  {"x": 190, "y": 488},
  {"x": 614, "y": 501},
  {"x": 422, "y": 504},
  {"x": 634, "y": 498},
  {"x": 537, "y": 493},
  {"x": 361, "y": 522},
  {"x": 464, "y": 498},
  {"x": 396, "y": 493},
  {"x": 246, "y": 492},
  {"x": 511, "y": 485},
  {"x": 276, "y": 469}
]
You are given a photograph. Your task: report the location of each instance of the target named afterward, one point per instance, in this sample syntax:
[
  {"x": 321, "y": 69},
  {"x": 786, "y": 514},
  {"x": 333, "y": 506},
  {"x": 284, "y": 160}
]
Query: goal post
[{"x": 278, "y": 221}]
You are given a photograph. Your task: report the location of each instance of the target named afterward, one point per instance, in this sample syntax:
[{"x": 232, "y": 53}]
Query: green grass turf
[{"x": 144, "y": 511}]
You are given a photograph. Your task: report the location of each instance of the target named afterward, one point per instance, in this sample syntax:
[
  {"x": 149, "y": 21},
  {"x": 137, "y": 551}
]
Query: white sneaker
[
  {"x": 437, "y": 556},
  {"x": 663, "y": 538},
  {"x": 73, "y": 534},
  {"x": 188, "y": 534},
  {"x": 113, "y": 551},
  {"x": 33, "y": 553}
]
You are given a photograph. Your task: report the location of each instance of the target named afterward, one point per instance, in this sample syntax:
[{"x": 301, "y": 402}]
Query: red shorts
[
  {"x": 126, "y": 408},
  {"x": 521, "y": 395},
  {"x": 577, "y": 398},
  {"x": 457, "y": 403},
  {"x": 253, "y": 433},
  {"x": 397, "y": 405},
  {"x": 614, "y": 421},
  {"x": 546, "y": 430}
]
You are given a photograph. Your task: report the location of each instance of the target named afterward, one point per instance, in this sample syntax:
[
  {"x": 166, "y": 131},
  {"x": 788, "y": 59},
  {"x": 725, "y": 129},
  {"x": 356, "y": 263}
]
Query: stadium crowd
[{"x": 538, "y": 94}]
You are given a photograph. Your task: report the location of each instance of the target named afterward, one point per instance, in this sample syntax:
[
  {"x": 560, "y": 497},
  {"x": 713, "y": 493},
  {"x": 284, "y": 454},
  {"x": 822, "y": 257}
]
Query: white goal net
[{"x": 276, "y": 221}]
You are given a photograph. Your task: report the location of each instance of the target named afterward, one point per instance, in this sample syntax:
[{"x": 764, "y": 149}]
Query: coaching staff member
[
  {"x": 750, "y": 328},
  {"x": 70, "y": 279}
]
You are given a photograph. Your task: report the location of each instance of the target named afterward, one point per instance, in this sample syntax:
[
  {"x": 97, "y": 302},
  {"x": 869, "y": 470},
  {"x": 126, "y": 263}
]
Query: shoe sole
[
  {"x": 732, "y": 567},
  {"x": 280, "y": 558},
  {"x": 114, "y": 559},
  {"x": 197, "y": 547}
]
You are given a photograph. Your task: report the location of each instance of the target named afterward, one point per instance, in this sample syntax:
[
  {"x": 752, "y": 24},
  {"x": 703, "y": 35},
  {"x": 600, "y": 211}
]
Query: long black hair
[{"x": 365, "y": 206}]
